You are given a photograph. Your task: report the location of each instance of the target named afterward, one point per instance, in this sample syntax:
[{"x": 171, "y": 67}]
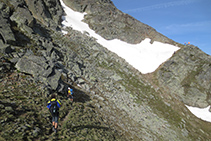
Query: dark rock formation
[{"x": 6, "y": 34}]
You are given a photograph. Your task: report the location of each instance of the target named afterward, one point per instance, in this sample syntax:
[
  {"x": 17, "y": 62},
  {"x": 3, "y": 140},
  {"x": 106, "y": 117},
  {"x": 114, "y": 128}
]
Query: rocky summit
[{"x": 112, "y": 100}]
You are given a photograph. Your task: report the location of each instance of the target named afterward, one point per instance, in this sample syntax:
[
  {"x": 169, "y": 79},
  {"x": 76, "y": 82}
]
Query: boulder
[
  {"x": 17, "y": 3},
  {"x": 39, "y": 11},
  {"x": 53, "y": 80},
  {"x": 41, "y": 69},
  {"x": 24, "y": 19},
  {"x": 34, "y": 65},
  {"x": 6, "y": 33}
]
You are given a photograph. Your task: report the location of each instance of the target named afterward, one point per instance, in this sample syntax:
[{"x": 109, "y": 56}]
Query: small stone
[
  {"x": 1, "y": 106},
  {"x": 8, "y": 109}
]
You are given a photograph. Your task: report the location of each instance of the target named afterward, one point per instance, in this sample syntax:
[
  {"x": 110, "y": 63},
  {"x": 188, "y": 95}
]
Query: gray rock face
[{"x": 188, "y": 75}]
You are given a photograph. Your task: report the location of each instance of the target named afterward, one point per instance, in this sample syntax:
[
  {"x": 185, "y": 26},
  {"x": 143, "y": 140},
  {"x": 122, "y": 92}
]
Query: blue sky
[{"x": 180, "y": 20}]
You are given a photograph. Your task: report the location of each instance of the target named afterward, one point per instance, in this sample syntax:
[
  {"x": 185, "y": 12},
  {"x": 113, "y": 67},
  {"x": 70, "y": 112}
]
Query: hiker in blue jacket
[{"x": 53, "y": 106}]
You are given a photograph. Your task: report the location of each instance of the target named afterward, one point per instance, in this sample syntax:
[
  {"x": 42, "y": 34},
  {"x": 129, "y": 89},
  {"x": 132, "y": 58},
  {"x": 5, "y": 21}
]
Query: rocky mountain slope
[{"x": 113, "y": 101}]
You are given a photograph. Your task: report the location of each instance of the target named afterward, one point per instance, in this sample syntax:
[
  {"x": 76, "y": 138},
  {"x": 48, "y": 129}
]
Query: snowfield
[
  {"x": 145, "y": 57},
  {"x": 202, "y": 113}
]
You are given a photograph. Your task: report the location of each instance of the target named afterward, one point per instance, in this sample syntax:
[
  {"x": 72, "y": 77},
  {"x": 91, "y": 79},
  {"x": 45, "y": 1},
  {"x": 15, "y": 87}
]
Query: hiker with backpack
[
  {"x": 70, "y": 94},
  {"x": 53, "y": 106}
]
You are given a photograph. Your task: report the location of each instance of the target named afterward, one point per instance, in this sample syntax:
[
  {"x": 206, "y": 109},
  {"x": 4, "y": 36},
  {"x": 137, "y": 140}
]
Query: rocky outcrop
[
  {"x": 24, "y": 20},
  {"x": 187, "y": 75},
  {"x": 48, "y": 12},
  {"x": 41, "y": 69},
  {"x": 6, "y": 34}
]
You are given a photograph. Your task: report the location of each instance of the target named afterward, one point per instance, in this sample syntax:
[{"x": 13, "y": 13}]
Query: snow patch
[
  {"x": 202, "y": 113},
  {"x": 145, "y": 57}
]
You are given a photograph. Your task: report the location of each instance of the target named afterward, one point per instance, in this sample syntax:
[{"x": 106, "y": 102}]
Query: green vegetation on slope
[{"x": 24, "y": 115}]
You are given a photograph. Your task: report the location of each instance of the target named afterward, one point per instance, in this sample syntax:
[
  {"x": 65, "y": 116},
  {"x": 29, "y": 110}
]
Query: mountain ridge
[{"x": 125, "y": 28}]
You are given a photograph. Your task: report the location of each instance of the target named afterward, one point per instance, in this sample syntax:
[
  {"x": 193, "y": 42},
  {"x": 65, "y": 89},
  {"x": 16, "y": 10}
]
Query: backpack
[{"x": 54, "y": 108}]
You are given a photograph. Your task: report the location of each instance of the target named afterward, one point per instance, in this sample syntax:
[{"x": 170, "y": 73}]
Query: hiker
[
  {"x": 70, "y": 94},
  {"x": 53, "y": 106}
]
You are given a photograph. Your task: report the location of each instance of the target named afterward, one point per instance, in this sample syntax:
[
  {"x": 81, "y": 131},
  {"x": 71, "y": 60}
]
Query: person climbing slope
[
  {"x": 70, "y": 94},
  {"x": 53, "y": 106}
]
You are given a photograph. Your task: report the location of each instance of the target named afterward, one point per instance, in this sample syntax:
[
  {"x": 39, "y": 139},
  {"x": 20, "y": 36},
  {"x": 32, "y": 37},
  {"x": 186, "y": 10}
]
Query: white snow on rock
[
  {"x": 145, "y": 57},
  {"x": 202, "y": 113}
]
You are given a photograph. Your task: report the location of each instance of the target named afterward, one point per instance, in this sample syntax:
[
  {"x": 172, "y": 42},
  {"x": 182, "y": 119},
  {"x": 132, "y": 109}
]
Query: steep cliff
[{"x": 113, "y": 101}]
